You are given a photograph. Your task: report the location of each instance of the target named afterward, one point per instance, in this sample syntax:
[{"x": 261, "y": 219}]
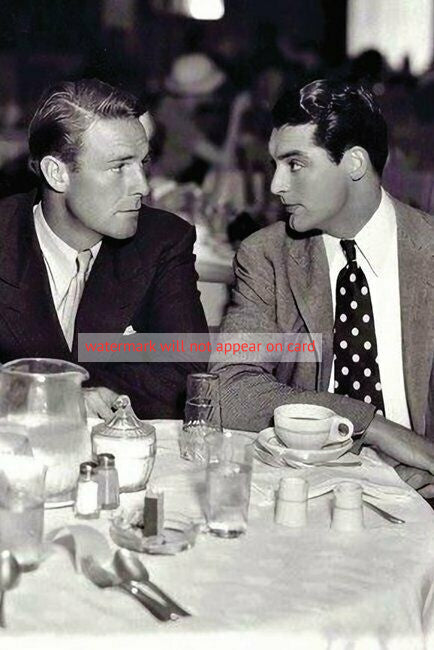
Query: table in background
[
  {"x": 309, "y": 588},
  {"x": 214, "y": 268}
]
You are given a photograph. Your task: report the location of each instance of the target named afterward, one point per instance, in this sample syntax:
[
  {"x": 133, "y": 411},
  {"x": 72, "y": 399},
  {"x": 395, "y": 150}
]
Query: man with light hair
[{"x": 84, "y": 255}]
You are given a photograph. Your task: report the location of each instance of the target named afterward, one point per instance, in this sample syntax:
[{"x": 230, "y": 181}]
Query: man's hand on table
[
  {"x": 414, "y": 453},
  {"x": 98, "y": 402},
  {"x": 418, "y": 479}
]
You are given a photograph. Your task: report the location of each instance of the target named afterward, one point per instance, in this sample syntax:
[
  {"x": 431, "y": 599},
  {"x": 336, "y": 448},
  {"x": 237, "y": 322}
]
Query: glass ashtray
[{"x": 178, "y": 534}]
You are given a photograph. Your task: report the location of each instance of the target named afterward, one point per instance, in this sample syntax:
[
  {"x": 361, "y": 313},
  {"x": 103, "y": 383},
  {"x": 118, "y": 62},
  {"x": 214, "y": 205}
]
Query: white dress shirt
[
  {"x": 377, "y": 255},
  {"x": 60, "y": 261}
]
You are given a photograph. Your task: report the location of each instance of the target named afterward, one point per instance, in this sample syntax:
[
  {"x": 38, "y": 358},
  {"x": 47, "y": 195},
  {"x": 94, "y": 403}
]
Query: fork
[
  {"x": 383, "y": 513},
  {"x": 105, "y": 579}
]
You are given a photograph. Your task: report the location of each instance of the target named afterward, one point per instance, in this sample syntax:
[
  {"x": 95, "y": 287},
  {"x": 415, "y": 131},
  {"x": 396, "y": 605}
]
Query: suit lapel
[
  {"x": 117, "y": 283},
  {"x": 25, "y": 293},
  {"x": 308, "y": 276},
  {"x": 414, "y": 264}
]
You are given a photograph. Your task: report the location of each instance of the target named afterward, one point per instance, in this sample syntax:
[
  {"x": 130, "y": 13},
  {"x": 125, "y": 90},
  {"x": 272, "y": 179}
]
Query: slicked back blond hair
[{"x": 67, "y": 109}]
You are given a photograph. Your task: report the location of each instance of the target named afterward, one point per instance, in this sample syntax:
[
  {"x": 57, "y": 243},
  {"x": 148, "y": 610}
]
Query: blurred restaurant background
[{"x": 208, "y": 72}]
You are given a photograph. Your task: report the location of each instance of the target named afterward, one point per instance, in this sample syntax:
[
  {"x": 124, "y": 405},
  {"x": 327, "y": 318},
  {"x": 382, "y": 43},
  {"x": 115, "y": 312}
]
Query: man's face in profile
[
  {"x": 313, "y": 188},
  {"x": 108, "y": 181}
]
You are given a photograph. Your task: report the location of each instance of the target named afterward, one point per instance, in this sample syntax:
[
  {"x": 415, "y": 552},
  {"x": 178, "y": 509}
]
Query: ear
[
  {"x": 55, "y": 173},
  {"x": 148, "y": 124},
  {"x": 356, "y": 162}
]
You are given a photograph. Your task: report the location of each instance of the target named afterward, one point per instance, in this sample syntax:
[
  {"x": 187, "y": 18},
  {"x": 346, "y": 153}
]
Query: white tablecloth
[{"x": 274, "y": 587}]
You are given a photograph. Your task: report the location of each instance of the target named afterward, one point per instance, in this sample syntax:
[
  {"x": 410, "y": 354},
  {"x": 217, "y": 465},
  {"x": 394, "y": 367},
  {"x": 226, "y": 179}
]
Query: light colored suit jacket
[{"x": 282, "y": 285}]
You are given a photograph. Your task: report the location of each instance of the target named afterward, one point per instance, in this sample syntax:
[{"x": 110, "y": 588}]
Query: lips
[
  {"x": 291, "y": 207},
  {"x": 133, "y": 208}
]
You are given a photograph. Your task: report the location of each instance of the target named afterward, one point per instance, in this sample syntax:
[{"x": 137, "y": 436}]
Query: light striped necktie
[{"x": 73, "y": 296}]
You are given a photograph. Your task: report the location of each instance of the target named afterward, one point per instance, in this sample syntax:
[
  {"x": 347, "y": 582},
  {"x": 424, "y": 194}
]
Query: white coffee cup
[{"x": 307, "y": 426}]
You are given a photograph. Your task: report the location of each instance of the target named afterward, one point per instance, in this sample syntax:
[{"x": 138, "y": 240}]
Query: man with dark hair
[
  {"x": 352, "y": 264},
  {"x": 84, "y": 255}
]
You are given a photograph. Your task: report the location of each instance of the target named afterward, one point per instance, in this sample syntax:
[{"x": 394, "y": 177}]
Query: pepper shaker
[{"x": 108, "y": 482}]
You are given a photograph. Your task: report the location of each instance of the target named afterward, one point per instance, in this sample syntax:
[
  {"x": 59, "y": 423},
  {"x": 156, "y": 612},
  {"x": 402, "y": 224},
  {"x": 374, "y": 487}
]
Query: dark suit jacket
[
  {"x": 283, "y": 285},
  {"x": 147, "y": 281}
]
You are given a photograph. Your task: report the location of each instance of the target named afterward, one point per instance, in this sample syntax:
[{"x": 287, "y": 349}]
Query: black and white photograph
[{"x": 217, "y": 324}]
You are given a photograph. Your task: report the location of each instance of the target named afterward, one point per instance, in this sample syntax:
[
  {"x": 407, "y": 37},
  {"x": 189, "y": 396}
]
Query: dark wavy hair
[
  {"x": 345, "y": 115},
  {"x": 67, "y": 109}
]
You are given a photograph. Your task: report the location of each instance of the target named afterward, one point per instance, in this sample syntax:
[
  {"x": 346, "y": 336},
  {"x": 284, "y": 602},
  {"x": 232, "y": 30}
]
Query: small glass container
[
  {"x": 108, "y": 482},
  {"x": 131, "y": 441},
  {"x": 86, "y": 499},
  {"x": 202, "y": 416}
]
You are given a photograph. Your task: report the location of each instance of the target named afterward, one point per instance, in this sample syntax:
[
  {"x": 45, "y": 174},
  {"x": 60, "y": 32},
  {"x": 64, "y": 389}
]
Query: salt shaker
[
  {"x": 86, "y": 499},
  {"x": 291, "y": 503},
  {"x": 108, "y": 482},
  {"x": 348, "y": 507}
]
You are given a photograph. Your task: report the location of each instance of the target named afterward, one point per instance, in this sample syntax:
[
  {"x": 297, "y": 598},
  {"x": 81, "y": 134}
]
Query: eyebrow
[
  {"x": 127, "y": 157},
  {"x": 120, "y": 158},
  {"x": 288, "y": 154}
]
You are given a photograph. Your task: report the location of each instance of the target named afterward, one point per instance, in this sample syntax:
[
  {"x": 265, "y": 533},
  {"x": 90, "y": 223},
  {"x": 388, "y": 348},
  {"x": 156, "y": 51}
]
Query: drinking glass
[
  {"x": 201, "y": 416},
  {"x": 228, "y": 479},
  {"x": 22, "y": 495}
]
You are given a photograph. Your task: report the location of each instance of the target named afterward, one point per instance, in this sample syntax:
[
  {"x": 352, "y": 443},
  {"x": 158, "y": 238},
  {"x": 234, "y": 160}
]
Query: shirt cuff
[{"x": 359, "y": 439}]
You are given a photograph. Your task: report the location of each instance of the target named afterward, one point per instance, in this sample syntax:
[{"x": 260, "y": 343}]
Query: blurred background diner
[{"x": 208, "y": 71}]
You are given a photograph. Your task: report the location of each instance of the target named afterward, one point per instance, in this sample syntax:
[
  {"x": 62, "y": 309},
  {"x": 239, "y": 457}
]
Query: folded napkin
[
  {"x": 379, "y": 491},
  {"x": 81, "y": 541},
  {"x": 376, "y": 478}
]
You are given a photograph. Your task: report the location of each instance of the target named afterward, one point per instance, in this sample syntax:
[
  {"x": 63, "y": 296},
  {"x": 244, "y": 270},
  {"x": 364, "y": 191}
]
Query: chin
[
  {"x": 126, "y": 234},
  {"x": 304, "y": 223},
  {"x": 129, "y": 230},
  {"x": 299, "y": 225}
]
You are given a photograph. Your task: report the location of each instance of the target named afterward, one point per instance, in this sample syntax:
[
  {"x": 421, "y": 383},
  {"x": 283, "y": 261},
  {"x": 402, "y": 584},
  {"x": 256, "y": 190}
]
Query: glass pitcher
[{"x": 45, "y": 397}]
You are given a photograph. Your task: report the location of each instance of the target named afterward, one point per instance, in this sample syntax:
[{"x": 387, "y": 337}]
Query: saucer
[
  {"x": 51, "y": 505},
  {"x": 268, "y": 439}
]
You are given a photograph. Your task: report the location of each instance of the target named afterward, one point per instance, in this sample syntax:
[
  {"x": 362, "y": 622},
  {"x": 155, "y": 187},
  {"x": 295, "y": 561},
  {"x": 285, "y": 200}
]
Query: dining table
[
  {"x": 274, "y": 587},
  {"x": 214, "y": 260}
]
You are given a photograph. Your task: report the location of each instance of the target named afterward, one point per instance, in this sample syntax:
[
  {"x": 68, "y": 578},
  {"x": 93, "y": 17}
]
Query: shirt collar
[
  {"x": 376, "y": 236},
  {"x": 60, "y": 257},
  {"x": 374, "y": 239}
]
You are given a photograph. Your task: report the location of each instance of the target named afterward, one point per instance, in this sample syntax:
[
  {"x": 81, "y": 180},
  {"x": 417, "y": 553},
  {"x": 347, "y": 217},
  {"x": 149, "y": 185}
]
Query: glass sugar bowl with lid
[{"x": 131, "y": 441}]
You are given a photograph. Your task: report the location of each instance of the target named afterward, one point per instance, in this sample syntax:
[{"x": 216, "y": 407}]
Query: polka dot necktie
[{"x": 354, "y": 344}]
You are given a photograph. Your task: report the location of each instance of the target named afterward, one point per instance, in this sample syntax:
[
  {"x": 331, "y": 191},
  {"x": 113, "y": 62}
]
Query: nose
[
  {"x": 280, "y": 182},
  {"x": 139, "y": 182}
]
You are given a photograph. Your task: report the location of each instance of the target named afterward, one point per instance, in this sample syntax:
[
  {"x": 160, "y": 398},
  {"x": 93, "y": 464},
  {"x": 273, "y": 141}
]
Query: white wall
[{"x": 396, "y": 28}]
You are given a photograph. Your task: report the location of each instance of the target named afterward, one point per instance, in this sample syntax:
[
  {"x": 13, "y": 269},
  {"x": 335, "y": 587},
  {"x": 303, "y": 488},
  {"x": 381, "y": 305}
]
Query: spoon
[
  {"x": 130, "y": 568},
  {"x": 10, "y": 572},
  {"x": 104, "y": 579}
]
